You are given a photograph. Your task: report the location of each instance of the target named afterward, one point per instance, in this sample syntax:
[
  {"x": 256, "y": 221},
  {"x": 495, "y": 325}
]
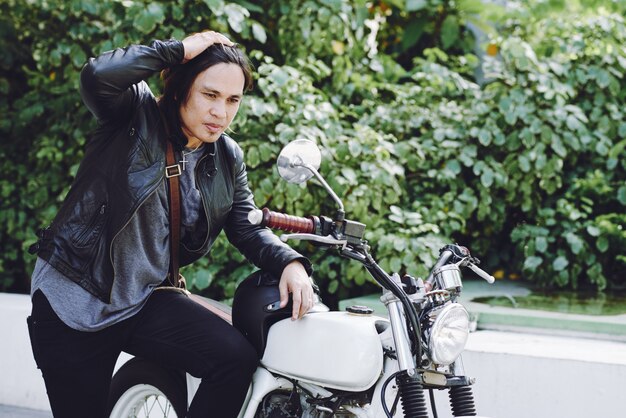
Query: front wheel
[{"x": 142, "y": 389}]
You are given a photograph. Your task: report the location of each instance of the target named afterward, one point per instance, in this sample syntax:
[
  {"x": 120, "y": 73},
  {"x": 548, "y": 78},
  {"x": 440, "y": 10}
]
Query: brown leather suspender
[{"x": 172, "y": 172}]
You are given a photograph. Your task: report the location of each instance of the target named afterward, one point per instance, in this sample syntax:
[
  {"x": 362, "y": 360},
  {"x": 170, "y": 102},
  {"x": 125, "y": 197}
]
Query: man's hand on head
[{"x": 198, "y": 42}]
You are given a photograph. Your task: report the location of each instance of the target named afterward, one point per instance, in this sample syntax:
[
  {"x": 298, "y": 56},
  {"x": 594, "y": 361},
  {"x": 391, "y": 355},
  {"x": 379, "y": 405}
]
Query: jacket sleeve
[
  {"x": 257, "y": 244},
  {"x": 111, "y": 83}
]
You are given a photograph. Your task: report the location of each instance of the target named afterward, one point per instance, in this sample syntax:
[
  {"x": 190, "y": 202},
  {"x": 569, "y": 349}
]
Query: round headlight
[{"x": 448, "y": 334}]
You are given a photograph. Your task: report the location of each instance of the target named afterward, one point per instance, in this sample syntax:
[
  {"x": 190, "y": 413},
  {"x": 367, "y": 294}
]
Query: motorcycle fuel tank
[{"x": 332, "y": 349}]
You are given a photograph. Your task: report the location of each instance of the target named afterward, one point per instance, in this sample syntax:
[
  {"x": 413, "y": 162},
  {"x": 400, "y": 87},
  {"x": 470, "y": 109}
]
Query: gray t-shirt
[{"x": 133, "y": 282}]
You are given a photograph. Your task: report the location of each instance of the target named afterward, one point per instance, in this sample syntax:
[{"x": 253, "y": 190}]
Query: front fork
[
  {"x": 461, "y": 397},
  {"x": 409, "y": 383},
  {"x": 410, "y": 388}
]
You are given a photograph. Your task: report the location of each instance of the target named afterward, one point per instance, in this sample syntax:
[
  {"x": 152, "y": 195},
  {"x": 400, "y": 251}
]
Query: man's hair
[{"x": 179, "y": 79}]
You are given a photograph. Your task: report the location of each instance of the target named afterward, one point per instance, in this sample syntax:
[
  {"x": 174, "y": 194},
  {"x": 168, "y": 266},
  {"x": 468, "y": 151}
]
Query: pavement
[{"x": 7, "y": 411}]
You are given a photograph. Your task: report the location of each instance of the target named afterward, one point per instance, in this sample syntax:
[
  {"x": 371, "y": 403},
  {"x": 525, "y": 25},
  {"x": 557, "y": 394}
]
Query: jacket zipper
[
  {"x": 204, "y": 206},
  {"x": 206, "y": 214},
  {"x": 89, "y": 228}
]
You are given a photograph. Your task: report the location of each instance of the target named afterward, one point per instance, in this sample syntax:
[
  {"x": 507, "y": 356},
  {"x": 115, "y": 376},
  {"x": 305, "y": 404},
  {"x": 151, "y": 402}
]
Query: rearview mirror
[{"x": 299, "y": 160}]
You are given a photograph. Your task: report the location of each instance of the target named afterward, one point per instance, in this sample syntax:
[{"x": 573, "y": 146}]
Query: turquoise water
[{"x": 563, "y": 301}]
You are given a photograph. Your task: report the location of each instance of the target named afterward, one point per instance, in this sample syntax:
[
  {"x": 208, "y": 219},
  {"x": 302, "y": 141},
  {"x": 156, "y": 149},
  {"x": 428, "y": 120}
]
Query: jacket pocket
[{"x": 94, "y": 228}]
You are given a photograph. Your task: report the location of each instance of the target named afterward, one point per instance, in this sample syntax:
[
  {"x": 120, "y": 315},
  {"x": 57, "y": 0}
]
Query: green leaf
[
  {"x": 236, "y": 16},
  {"x": 558, "y": 147},
  {"x": 148, "y": 18},
  {"x": 265, "y": 151},
  {"x": 602, "y": 244},
  {"x": 621, "y": 195},
  {"x": 399, "y": 244},
  {"x": 201, "y": 279},
  {"x": 484, "y": 136},
  {"x": 575, "y": 243},
  {"x": 413, "y": 33},
  {"x": 603, "y": 78},
  {"x": 253, "y": 157},
  {"x": 487, "y": 177},
  {"x": 475, "y": 7},
  {"x": 251, "y": 6},
  {"x": 355, "y": 147},
  {"x": 594, "y": 231},
  {"x": 259, "y": 32},
  {"x": 617, "y": 149},
  {"x": 395, "y": 264},
  {"x": 178, "y": 34},
  {"x": 621, "y": 131},
  {"x": 78, "y": 56},
  {"x": 415, "y": 5},
  {"x": 216, "y": 6},
  {"x": 28, "y": 114},
  {"x": 279, "y": 76},
  {"x": 360, "y": 279},
  {"x": 449, "y": 31},
  {"x": 560, "y": 263},
  {"x": 546, "y": 134},
  {"x": 524, "y": 163},
  {"x": 454, "y": 167},
  {"x": 604, "y": 124},
  {"x": 333, "y": 286},
  {"x": 541, "y": 244},
  {"x": 573, "y": 123},
  {"x": 350, "y": 175},
  {"x": 531, "y": 263},
  {"x": 611, "y": 163}
]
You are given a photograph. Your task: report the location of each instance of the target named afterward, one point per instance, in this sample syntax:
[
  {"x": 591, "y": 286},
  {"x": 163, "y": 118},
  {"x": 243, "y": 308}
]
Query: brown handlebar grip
[
  {"x": 288, "y": 223},
  {"x": 277, "y": 220}
]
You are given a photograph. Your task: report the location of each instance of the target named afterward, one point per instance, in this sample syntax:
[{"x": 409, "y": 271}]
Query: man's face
[{"x": 212, "y": 104}]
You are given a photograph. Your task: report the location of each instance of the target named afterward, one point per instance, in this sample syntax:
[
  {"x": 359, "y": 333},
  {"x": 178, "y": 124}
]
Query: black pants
[{"x": 171, "y": 330}]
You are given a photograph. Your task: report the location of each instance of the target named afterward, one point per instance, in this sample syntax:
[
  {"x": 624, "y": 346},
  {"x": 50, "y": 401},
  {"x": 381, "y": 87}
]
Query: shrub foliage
[{"x": 519, "y": 154}]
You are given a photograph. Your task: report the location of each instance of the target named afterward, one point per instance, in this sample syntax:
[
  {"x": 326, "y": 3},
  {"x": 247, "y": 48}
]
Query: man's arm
[
  {"x": 263, "y": 248},
  {"x": 111, "y": 83}
]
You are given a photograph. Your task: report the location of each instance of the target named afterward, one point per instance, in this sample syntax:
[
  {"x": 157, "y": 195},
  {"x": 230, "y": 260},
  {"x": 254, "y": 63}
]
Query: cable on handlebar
[
  {"x": 383, "y": 278},
  {"x": 312, "y": 224}
]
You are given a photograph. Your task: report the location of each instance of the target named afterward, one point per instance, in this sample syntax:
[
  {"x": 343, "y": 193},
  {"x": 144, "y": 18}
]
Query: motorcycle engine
[
  {"x": 280, "y": 405},
  {"x": 289, "y": 405}
]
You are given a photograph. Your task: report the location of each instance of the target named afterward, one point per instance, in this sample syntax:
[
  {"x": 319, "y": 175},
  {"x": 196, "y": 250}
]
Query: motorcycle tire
[{"x": 143, "y": 389}]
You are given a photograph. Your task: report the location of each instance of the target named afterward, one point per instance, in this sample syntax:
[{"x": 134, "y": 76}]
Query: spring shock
[
  {"x": 462, "y": 401},
  {"x": 412, "y": 396}
]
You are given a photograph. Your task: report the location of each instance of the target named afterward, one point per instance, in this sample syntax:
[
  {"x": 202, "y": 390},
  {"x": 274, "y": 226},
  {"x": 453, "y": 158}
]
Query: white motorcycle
[{"x": 338, "y": 364}]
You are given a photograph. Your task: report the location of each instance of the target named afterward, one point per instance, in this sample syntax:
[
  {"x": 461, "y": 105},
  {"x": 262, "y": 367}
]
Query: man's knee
[
  {"x": 242, "y": 356},
  {"x": 237, "y": 359}
]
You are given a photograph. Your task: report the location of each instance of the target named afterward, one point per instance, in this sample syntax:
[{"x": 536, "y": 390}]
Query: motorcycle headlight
[{"x": 448, "y": 333}]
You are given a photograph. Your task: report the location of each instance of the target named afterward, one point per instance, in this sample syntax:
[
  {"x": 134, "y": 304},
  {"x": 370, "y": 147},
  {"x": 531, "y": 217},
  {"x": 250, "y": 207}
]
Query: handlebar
[
  {"x": 461, "y": 256},
  {"x": 443, "y": 259},
  {"x": 282, "y": 221},
  {"x": 481, "y": 273}
]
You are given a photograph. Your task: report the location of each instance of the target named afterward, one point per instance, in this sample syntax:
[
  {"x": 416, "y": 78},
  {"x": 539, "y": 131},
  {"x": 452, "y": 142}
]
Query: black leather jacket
[{"x": 123, "y": 165}]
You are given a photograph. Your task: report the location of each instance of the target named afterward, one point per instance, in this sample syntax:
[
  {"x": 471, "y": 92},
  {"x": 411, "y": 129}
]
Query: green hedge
[{"x": 527, "y": 169}]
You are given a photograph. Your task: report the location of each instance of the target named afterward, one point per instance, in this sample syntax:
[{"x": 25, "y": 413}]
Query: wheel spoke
[
  {"x": 153, "y": 406},
  {"x": 158, "y": 405},
  {"x": 144, "y": 401}
]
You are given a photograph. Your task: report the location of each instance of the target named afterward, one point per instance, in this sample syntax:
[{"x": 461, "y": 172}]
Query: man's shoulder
[{"x": 232, "y": 149}]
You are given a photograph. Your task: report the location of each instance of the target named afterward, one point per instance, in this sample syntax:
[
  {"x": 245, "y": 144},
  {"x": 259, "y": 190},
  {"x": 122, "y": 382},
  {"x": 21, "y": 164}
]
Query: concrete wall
[
  {"x": 20, "y": 380},
  {"x": 525, "y": 375},
  {"x": 518, "y": 375}
]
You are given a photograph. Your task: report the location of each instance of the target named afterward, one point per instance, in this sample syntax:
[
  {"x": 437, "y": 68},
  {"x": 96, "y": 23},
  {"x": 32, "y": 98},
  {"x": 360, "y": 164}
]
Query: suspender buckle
[{"x": 173, "y": 171}]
